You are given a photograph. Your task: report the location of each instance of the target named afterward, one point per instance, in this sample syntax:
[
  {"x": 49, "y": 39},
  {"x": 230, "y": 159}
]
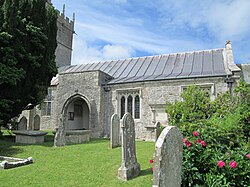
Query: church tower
[{"x": 65, "y": 31}]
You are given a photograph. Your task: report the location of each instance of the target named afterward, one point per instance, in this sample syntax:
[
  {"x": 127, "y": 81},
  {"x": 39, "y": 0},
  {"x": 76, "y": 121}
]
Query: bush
[
  {"x": 194, "y": 108},
  {"x": 209, "y": 160},
  {"x": 216, "y": 136}
]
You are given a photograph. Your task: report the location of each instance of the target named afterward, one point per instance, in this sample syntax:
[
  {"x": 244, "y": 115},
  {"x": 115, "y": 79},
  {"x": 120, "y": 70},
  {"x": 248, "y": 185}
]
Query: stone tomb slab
[
  {"x": 168, "y": 158},
  {"x": 29, "y": 136},
  {"x": 115, "y": 131},
  {"x": 76, "y": 136},
  {"x": 129, "y": 167}
]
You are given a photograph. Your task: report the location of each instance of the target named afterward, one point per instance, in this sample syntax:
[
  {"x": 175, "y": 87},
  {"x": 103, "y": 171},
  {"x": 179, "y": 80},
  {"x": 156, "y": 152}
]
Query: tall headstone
[
  {"x": 60, "y": 139},
  {"x": 157, "y": 130},
  {"x": 168, "y": 158},
  {"x": 115, "y": 131},
  {"x": 129, "y": 167}
]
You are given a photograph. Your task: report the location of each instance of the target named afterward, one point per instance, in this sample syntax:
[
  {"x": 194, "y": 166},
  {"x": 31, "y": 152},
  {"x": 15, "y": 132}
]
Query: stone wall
[
  {"x": 50, "y": 122},
  {"x": 87, "y": 85},
  {"x": 157, "y": 93},
  {"x": 104, "y": 100}
]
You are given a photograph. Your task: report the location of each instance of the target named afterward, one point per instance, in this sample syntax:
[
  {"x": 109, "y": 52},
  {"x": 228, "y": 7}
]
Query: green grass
[{"x": 89, "y": 164}]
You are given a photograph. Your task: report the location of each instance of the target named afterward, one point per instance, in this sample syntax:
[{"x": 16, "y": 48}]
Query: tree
[{"x": 27, "y": 56}]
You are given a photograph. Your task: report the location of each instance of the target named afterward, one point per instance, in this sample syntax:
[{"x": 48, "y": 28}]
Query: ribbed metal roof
[{"x": 169, "y": 66}]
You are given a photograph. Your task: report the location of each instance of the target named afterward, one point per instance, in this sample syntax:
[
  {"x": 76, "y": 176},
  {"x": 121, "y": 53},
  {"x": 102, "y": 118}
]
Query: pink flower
[
  {"x": 195, "y": 133},
  {"x": 188, "y": 144},
  {"x": 232, "y": 164},
  {"x": 248, "y": 155},
  {"x": 152, "y": 169},
  {"x": 184, "y": 140},
  {"x": 151, "y": 161},
  {"x": 203, "y": 144},
  {"x": 221, "y": 164}
]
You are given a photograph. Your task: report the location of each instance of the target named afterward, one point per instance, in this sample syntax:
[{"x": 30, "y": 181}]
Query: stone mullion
[{"x": 133, "y": 105}]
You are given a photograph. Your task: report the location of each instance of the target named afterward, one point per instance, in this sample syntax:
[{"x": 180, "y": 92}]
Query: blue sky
[{"x": 118, "y": 29}]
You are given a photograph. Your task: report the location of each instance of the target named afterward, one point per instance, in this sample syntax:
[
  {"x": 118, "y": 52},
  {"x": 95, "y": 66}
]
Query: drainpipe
[{"x": 106, "y": 111}]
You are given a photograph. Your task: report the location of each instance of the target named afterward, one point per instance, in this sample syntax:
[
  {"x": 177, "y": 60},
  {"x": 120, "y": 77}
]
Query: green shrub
[
  {"x": 216, "y": 134},
  {"x": 195, "y": 106}
]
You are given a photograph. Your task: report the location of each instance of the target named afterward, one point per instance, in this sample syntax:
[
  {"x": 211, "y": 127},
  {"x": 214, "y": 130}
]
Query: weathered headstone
[
  {"x": 60, "y": 139},
  {"x": 37, "y": 122},
  {"x": 115, "y": 131},
  {"x": 157, "y": 130},
  {"x": 22, "y": 124},
  {"x": 168, "y": 158},
  {"x": 129, "y": 166}
]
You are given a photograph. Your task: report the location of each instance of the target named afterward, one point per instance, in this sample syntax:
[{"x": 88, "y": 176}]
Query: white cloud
[
  {"x": 157, "y": 27},
  {"x": 229, "y": 20},
  {"x": 112, "y": 52},
  {"x": 83, "y": 54},
  {"x": 223, "y": 19}
]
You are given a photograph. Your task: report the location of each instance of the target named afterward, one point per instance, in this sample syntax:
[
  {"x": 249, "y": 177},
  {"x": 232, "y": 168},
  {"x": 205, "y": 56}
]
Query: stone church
[{"x": 87, "y": 95}]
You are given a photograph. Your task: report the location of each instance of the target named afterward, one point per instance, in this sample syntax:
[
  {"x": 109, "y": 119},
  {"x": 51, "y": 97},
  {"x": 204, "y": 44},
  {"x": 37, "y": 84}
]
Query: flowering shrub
[
  {"x": 208, "y": 164},
  {"x": 216, "y": 136}
]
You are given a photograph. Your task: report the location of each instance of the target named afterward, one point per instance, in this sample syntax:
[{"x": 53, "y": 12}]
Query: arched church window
[
  {"x": 129, "y": 102},
  {"x": 137, "y": 107},
  {"x": 130, "y": 105},
  {"x": 122, "y": 106}
]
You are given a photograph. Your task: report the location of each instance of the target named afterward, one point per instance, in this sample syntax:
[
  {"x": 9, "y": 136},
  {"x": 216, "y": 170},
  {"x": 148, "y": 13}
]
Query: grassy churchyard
[{"x": 89, "y": 164}]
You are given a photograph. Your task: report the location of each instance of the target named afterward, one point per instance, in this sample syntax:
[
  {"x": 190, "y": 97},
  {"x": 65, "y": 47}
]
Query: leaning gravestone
[
  {"x": 115, "y": 131},
  {"x": 168, "y": 158},
  {"x": 129, "y": 166},
  {"x": 60, "y": 139}
]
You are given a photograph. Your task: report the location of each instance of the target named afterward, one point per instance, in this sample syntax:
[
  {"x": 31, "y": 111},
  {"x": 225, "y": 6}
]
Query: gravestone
[
  {"x": 60, "y": 139},
  {"x": 168, "y": 158},
  {"x": 22, "y": 124},
  {"x": 157, "y": 130},
  {"x": 37, "y": 122},
  {"x": 129, "y": 167},
  {"x": 115, "y": 131}
]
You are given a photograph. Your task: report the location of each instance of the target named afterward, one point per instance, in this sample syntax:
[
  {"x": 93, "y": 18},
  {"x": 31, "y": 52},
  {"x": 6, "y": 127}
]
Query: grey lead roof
[{"x": 169, "y": 66}]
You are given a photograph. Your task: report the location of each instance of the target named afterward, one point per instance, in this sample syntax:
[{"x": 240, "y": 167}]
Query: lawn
[{"x": 89, "y": 164}]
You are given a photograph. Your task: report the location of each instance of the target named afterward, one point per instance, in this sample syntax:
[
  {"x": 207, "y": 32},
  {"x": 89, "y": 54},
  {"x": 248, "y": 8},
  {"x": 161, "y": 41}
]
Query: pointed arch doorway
[{"x": 77, "y": 112}]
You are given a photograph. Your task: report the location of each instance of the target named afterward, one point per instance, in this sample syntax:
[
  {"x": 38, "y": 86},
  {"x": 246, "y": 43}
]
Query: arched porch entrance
[{"x": 76, "y": 109}]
